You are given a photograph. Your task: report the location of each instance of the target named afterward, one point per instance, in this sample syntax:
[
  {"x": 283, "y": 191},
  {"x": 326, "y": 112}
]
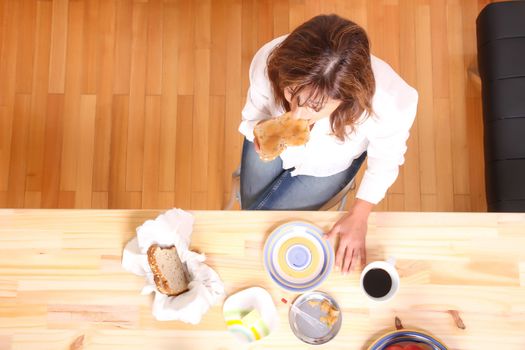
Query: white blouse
[{"x": 383, "y": 134}]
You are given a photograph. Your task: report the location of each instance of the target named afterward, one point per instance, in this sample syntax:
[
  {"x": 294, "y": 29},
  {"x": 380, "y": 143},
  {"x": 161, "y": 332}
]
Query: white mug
[{"x": 389, "y": 267}]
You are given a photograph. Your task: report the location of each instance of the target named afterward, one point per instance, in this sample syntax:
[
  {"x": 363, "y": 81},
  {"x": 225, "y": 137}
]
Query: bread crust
[{"x": 158, "y": 277}]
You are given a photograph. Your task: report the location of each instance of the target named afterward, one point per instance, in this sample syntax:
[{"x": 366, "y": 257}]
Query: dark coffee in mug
[{"x": 377, "y": 283}]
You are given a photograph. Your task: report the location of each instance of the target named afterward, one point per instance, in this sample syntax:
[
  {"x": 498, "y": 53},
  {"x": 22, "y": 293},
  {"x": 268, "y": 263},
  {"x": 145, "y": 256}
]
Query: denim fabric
[{"x": 267, "y": 186}]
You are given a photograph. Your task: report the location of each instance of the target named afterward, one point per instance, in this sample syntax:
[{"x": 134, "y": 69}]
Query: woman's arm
[
  {"x": 259, "y": 99},
  {"x": 395, "y": 113}
]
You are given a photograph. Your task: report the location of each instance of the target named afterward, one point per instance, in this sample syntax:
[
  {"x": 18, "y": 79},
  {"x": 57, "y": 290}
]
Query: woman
[{"x": 357, "y": 107}]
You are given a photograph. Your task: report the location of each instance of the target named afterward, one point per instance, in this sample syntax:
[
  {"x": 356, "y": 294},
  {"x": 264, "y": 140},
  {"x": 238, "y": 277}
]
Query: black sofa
[{"x": 501, "y": 60}]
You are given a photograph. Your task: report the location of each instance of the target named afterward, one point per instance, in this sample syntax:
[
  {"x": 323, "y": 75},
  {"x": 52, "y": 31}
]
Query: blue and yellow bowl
[{"x": 297, "y": 257}]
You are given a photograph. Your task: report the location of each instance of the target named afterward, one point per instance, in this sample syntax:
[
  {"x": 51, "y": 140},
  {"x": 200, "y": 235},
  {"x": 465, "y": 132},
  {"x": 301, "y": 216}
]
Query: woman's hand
[
  {"x": 351, "y": 229},
  {"x": 256, "y": 145}
]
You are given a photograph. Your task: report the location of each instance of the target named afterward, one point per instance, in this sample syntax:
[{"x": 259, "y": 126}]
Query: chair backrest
[
  {"x": 340, "y": 198},
  {"x": 501, "y": 60}
]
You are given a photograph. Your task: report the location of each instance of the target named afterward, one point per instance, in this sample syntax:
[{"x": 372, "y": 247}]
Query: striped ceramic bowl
[
  {"x": 297, "y": 257},
  {"x": 404, "y": 336}
]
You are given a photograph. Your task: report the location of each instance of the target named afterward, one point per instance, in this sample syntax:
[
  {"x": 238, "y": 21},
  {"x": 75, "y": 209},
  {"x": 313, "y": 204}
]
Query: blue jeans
[{"x": 267, "y": 186}]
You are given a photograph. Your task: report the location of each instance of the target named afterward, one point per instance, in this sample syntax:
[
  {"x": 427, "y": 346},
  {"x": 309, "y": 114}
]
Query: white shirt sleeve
[
  {"x": 394, "y": 114},
  {"x": 260, "y": 102}
]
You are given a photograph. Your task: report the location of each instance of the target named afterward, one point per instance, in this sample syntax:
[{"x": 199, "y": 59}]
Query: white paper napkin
[{"x": 174, "y": 227}]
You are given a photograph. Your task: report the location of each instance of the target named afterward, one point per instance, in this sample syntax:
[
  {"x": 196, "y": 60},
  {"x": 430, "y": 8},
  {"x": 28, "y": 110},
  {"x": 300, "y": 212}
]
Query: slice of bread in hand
[
  {"x": 274, "y": 135},
  {"x": 168, "y": 270}
]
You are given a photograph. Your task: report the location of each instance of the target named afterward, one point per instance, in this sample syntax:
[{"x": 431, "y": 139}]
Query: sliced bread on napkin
[{"x": 168, "y": 270}]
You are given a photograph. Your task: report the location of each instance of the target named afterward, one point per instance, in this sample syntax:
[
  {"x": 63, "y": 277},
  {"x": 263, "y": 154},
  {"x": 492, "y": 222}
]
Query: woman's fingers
[
  {"x": 362, "y": 254},
  {"x": 329, "y": 234},
  {"x": 339, "y": 256},
  {"x": 356, "y": 260},
  {"x": 256, "y": 145},
  {"x": 348, "y": 260}
]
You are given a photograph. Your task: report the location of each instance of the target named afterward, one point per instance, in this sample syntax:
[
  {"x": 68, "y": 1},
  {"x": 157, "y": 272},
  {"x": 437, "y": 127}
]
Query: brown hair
[{"x": 330, "y": 56}]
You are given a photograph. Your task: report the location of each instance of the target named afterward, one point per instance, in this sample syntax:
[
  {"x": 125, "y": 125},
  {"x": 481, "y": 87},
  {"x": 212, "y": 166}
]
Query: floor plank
[
  {"x": 73, "y": 86},
  {"x": 106, "y": 55},
  {"x": 59, "y": 32},
  {"x": 135, "y": 149},
  {"x": 123, "y": 29},
  {"x": 150, "y": 175},
  {"x": 26, "y": 47},
  {"x": 84, "y": 192},
  {"x": 170, "y": 82},
  {"x": 52, "y": 150},
  {"x": 39, "y": 98},
  {"x": 18, "y": 159}
]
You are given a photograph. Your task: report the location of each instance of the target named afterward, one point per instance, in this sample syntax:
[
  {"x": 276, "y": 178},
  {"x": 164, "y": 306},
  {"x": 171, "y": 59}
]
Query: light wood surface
[
  {"x": 136, "y": 104},
  {"x": 62, "y": 285}
]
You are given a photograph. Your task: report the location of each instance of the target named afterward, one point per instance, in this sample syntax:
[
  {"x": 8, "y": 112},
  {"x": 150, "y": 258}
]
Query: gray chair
[{"x": 339, "y": 200}]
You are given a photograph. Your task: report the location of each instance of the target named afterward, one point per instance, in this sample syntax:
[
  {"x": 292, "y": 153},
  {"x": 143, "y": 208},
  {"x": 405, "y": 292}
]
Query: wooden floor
[{"x": 136, "y": 104}]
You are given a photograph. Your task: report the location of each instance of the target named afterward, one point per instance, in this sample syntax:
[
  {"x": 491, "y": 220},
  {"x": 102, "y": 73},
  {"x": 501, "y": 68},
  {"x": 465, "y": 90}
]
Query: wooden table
[{"x": 62, "y": 285}]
